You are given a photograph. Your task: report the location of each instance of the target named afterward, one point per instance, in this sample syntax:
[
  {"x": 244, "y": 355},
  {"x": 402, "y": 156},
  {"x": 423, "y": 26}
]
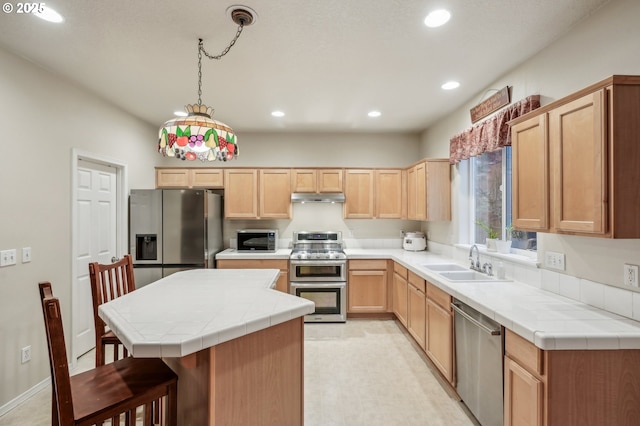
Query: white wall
[
  {"x": 43, "y": 118},
  {"x": 605, "y": 44}
]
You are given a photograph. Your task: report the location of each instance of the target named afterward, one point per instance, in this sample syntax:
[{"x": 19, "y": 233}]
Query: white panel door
[{"x": 96, "y": 231}]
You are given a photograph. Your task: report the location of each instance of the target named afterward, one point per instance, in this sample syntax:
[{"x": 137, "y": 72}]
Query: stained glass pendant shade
[{"x": 198, "y": 136}]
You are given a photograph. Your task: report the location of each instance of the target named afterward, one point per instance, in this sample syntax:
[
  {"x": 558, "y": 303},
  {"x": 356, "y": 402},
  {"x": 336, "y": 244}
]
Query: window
[{"x": 491, "y": 199}]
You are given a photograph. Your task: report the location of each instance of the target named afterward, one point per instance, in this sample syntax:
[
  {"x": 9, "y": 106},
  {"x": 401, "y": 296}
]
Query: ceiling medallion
[{"x": 198, "y": 136}]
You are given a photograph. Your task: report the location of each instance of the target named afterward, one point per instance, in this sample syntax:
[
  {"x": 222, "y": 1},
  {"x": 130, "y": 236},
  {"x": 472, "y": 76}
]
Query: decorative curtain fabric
[{"x": 491, "y": 134}]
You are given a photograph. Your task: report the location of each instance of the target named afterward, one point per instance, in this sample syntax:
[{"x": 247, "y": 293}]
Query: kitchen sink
[
  {"x": 467, "y": 276},
  {"x": 445, "y": 267}
]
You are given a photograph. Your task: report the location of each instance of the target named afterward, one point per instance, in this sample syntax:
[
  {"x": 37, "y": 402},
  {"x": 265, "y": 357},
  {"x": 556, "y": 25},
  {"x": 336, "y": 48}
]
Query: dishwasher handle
[{"x": 482, "y": 327}]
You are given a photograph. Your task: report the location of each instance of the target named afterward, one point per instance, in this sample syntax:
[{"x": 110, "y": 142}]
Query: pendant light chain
[{"x": 224, "y": 52}]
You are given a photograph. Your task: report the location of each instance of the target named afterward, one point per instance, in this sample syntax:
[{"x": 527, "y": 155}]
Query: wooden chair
[
  {"x": 107, "y": 391},
  {"x": 107, "y": 283}
]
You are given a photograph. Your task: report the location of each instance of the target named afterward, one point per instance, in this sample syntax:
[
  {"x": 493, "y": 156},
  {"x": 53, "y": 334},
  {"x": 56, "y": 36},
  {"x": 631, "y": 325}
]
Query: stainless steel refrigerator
[{"x": 173, "y": 230}]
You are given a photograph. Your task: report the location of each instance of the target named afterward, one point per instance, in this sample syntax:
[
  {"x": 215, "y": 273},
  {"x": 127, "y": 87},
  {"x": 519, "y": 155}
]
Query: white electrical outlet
[
  {"x": 631, "y": 275},
  {"x": 554, "y": 260},
  {"x": 26, "y": 254},
  {"x": 25, "y": 354}
]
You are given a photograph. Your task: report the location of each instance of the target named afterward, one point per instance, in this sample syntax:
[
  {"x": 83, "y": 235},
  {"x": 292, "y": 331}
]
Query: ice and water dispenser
[{"x": 146, "y": 247}]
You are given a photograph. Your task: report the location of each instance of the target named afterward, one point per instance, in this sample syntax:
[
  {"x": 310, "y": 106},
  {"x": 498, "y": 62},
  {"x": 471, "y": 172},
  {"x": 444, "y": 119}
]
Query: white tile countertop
[
  {"x": 192, "y": 310},
  {"x": 231, "y": 253},
  {"x": 550, "y": 321}
]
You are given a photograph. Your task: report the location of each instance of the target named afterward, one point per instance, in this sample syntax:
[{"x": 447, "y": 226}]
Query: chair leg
[{"x": 171, "y": 408}]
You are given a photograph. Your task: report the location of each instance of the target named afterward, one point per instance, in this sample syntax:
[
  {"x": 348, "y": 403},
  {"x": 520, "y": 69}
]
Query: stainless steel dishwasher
[{"x": 479, "y": 363}]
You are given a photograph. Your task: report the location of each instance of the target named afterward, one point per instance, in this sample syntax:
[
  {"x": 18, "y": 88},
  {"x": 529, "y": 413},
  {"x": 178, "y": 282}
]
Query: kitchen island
[{"x": 235, "y": 343}]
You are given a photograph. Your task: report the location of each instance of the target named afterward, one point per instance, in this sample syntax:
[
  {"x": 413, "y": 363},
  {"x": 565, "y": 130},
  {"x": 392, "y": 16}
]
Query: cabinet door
[
  {"x": 523, "y": 393},
  {"x": 207, "y": 178},
  {"x": 330, "y": 180},
  {"x": 577, "y": 137},
  {"x": 417, "y": 315},
  {"x": 275, "y": 194},
  {"x": 440, "y": 338},
  {"x": 172, "y": 178},
  {"x": 389, "y": 194},
  {"x": 367, "y": 291},
  {"x": 304, "y": 180},
  {"x": 241, "y": 194},
  {"x": 358, "y": 189},
  {"x": 400, "y": 298},
  {"x": 411, "y": 193},
  {"x": 530, "y": 175},
  {"x": 437, "y": 194},
  {"x": 421, "y": 192}
]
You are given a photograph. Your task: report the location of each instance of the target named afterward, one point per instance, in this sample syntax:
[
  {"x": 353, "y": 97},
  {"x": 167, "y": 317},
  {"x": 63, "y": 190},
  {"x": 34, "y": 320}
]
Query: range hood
[{"x": 306, "y": 197}]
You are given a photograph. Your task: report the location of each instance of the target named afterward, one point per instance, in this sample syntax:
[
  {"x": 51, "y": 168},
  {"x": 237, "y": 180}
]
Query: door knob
[{"x": 114, "y": 259}]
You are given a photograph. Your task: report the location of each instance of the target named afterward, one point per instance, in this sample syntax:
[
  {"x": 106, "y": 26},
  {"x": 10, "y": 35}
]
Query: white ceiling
[{"x": 325, "y": 63}]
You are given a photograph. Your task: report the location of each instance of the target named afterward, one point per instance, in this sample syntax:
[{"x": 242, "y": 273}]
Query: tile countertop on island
[
  {"x": 193, "y": 310},
  {"x": 550, "y": 321}
]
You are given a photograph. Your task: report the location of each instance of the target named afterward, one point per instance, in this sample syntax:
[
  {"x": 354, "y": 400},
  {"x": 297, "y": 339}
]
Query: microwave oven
[{"x": 263, "y": 240}]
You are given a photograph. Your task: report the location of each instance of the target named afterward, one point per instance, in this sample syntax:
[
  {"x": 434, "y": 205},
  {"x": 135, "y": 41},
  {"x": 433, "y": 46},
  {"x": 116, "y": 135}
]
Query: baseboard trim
[{"x": 15, "y": 402}]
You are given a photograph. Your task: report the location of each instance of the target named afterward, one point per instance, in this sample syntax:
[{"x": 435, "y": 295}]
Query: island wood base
[{"x": 256, "y": 379}]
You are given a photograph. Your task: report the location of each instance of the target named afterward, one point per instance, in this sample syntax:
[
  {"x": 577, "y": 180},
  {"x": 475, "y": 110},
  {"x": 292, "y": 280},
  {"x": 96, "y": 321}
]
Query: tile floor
[{"x": 364, "y": 372}]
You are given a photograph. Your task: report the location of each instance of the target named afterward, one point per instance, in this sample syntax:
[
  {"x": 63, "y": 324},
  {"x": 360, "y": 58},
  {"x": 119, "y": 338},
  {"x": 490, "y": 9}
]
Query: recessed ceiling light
[
  {"x": 180, "y": 113},
  {"x": 277, "y": 114},
  {"x": 374, "y": 114},
  {"x": 49, "y": 14},
  {"x": 437, "y": 18},
  {"x": 450, "y": 85}
]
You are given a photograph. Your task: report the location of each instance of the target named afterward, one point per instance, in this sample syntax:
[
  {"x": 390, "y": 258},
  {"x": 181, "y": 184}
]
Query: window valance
[{"x": 491, "y": 134}]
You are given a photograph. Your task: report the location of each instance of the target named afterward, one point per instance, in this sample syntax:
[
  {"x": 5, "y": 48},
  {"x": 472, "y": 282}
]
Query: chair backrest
[
  {"x": 57, "y": 355},
  {"x": 109, "y": 282}
]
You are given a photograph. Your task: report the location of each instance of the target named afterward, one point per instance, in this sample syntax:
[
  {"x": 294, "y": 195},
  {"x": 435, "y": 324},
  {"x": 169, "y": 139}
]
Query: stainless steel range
[{"x": 318, "y": 272}]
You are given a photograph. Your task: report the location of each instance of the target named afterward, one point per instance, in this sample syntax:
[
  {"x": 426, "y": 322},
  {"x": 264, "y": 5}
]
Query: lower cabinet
[
  {"x": 283, "y": 264},
  {"x": 400, "y": 293},
  {"x": 440, "y": 330},
  {"x": 417, "y": 309},
  {"x": 367, "y": 286}
]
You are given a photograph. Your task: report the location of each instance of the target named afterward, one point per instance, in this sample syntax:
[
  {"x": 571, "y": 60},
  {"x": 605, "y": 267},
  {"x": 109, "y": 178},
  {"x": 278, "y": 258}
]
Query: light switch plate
[
  {"x": 554, "y": 260},
  {"x": 26, "y": 254},
  {"x": 7, "y": 257}
]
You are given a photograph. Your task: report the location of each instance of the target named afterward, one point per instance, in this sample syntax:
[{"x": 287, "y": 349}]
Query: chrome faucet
[{"x": 475, "y": 266}]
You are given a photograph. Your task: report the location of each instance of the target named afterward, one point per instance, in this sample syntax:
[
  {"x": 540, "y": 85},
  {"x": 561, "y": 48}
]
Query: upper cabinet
[
  {"x": 257, "y": 194},
  {"x": 359, "y": 195},
  {"x": 201, "y": 177},
  {"x": 317, "y": 180},
  {"x": 429, "y": 190},
  {"x": 378, "y": 193},
  {"x": 575, "y": 163}
]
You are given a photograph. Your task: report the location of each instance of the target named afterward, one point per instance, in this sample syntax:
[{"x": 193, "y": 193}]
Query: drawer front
[
  {"x": 439, "y": 297},
  {"x": 525, "y": 352},
  {"x": 417, "y": 281},
  {"x": 281, "y": 264},
  {"x": 400, "y": 270},
  {"x": 368, "y": 264}
]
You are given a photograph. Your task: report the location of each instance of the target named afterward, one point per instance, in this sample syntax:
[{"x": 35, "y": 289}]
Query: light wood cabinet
[
  {"x": 530, "y": 174},
  {"x": 201, "y": 177},
  {"x": 586, "y": 147},
  {"x": 400, "y": 293},
  {"x": 417, "y": 315},
  {"x": 390, "y": 194},
  {"x": 523, "y": 396},
  {"x": 241, "y": 194},
  {"x": 257, "y": 194},
  {"x": 429, "y": 190},
  {"x": 367, "y": 286},
  {"x": 317, "y": 180},
  {"x": 359, "y": 194},
  {"x": 439, "y": 331},
  {"x": 283, "y": 264}
]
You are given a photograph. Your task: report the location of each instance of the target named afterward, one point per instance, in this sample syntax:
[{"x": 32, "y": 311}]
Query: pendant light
[{"x": 198, "y": 136}]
